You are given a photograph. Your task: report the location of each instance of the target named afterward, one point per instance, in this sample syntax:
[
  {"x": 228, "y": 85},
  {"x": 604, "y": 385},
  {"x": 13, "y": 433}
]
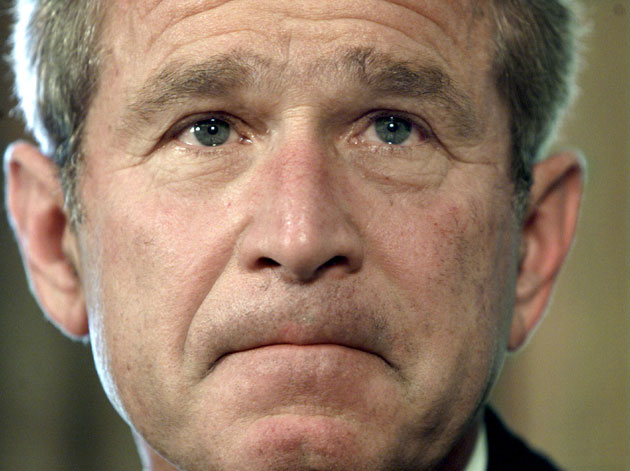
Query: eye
[
  {"x": 210, "y": 132},
  {"x": 394, "y": 130}
]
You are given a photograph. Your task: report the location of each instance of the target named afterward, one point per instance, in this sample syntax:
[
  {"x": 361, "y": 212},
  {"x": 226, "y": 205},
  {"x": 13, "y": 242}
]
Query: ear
[
  {"x": 547, "y": 234},
  {"x": 47, "y": 243}
]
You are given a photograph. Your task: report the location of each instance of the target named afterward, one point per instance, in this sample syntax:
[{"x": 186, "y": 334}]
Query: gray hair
[
  {"x": 56, "y": 65},
  {"x": 56, "y": 51},
  {"x": 535, "y": 66}
]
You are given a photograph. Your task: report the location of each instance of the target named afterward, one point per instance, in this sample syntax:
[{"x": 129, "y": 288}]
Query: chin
[{"x": 304, "y": 442}]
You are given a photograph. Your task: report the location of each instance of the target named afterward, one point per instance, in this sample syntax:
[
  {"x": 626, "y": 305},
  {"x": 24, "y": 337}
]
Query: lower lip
[
  {"x": 297, "y": 357},
  {"x": 282, "y": 372}
]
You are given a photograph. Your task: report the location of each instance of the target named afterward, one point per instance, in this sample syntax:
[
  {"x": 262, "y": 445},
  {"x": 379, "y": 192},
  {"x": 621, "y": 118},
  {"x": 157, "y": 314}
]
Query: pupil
[
  {"x": 212, "y": 132},
  {"x": 392, "y": 129}
]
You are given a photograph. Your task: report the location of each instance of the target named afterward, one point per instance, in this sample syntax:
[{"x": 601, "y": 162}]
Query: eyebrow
[
  {"x": 177, "y": 83},
  {"x": 377, "y": 73}
]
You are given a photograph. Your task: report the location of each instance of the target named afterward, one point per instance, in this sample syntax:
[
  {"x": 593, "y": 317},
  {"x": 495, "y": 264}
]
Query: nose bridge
[
  {"x": 302, "y": 192},
  {"x": 300, "y": 226}
]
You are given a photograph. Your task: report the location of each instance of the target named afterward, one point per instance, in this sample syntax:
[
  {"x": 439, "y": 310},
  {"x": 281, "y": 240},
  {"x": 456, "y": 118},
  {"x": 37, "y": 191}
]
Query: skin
[{"x": 304, "y": 296}]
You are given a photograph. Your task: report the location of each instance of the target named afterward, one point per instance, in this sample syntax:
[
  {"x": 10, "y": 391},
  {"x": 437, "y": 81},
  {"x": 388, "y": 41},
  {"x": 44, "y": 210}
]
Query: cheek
[
  {"x": 447, "y": 252},
  {"x": 154, "y": 259},
  {"x": 452, "y": 266}
]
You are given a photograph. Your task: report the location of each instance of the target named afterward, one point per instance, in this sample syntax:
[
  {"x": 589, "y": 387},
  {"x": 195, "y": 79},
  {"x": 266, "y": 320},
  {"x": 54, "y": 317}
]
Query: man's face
[{"x": 299, "y": 250}]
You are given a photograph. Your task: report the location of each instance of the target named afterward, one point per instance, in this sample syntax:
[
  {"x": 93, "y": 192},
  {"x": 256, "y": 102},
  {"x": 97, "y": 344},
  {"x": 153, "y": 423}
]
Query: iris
[
  {"x": 392, "y": 129},
  {"x": 212, "y": 132}
]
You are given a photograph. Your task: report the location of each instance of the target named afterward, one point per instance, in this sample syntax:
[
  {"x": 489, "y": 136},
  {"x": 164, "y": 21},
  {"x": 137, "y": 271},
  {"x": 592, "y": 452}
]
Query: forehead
[
  {"x": 152, "y": 32},
  {"x": 448, "y": 15}
]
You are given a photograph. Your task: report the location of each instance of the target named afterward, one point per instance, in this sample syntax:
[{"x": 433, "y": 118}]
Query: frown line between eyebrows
[{"x": 377, "y": 74}]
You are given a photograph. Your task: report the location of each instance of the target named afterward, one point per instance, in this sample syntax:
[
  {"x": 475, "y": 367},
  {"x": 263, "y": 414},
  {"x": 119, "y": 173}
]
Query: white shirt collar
[{"x": 479, "y": 458}]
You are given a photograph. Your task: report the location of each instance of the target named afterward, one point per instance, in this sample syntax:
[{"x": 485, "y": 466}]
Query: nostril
[
  {"x": 266, "y": 262},
  {"x": 334, "y": 261}
]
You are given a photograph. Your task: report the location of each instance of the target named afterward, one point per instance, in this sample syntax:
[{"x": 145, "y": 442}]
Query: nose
[{"x": 301, "y": 224}]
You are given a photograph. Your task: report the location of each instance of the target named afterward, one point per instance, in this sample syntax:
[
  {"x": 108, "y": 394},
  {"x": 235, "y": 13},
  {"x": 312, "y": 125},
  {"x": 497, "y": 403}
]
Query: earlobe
[
  {"x": 48, "y": 245},
  {"x": 547, "y": 234}
]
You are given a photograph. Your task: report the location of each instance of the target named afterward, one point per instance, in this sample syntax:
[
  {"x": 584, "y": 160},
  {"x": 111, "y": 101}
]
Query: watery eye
[
  {"x": 392, "y": 129},
  {"x": 211, "y": 132}
]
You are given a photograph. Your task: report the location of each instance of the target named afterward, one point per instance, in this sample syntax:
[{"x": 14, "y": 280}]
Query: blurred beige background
[{"x": 568, "y": 392}]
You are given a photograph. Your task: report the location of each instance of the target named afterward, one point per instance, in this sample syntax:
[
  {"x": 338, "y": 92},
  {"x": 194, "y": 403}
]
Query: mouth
[
  {"x": 294, "y": 347},
  {"x": 334, "y": 332}
]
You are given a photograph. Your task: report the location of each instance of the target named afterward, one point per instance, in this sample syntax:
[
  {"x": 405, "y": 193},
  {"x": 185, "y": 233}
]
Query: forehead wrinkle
[
  {"x": 409, "y": 6},
  {"x": 468, "y": 11},
  {"x": 144, "y": 26},
  {"x": 173, "y": 17},
  {"x": 162, "y": 9}
]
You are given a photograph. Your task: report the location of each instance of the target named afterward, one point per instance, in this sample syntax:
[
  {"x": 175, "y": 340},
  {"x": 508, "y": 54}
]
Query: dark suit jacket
[{"x": 506, "y": 452}]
